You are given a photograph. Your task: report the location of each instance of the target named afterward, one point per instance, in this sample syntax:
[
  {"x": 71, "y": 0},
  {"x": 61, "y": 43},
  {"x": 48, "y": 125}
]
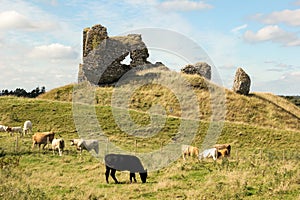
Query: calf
[
  {"x": 209, "y": 153},
  {"x": 42, "y": 138},
  {"x": 121, "y": 162},
  {"x": 58, "y": 144},
  {"x": 189, "y": 150},
  {"x": 88, "y": 145}
]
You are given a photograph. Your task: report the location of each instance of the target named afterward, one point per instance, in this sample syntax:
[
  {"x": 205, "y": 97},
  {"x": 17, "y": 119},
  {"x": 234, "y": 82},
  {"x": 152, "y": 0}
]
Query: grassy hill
[
  {"x": 263, "y": 130},
  {"x": 258, "y": 109}
]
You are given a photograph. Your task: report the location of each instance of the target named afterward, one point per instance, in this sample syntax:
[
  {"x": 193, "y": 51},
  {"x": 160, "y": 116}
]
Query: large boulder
[
  {"x": 103, "y": 55},
  {"x": 242, "y": 82},
  {"x": 200, "y": 68}
]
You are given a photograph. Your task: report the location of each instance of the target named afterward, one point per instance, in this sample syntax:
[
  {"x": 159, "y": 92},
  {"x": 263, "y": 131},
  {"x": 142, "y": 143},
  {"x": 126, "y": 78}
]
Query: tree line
[{"x": 19, "y": 92}]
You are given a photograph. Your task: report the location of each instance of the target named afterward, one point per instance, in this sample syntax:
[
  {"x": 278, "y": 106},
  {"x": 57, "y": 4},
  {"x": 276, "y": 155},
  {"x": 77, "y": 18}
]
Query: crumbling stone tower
[{"x": 102, "y": 55}]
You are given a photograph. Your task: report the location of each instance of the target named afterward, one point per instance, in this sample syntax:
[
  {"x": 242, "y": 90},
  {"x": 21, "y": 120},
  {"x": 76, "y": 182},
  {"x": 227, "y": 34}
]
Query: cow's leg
[
  {"x": 33, "y": 144},
  {"x": 200, "y": 157},
  {"x": 113, "y": 175},
  {"x": 132, "y": 176},
  {"x": 215, "y": 156},
  {"x": 183, "y": 156},
  {"x": 107, "y": 173}
]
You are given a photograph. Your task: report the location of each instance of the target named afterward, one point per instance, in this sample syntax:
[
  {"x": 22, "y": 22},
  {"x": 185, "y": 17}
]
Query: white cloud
[
  {"x": 184, "y": 5},
  {"x": 53, "y": 51},
  {"x": 237, "y": 29},
  {"x": 289, "y": 17},
  {"x": 284, "y": 85},
  {"x": 280, "y": 67},
  {"x": 13, "y": 20},
  {"x": 291, "y": 76},
  {"x": 272, "y": 33}
]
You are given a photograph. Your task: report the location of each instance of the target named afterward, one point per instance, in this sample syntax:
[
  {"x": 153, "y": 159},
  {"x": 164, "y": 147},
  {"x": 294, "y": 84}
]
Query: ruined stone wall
[{"x": 103, "y": 55}]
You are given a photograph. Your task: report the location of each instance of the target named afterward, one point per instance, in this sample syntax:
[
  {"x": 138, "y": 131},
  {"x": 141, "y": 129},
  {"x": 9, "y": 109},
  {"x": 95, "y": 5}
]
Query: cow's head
[{"x": 144, "y": 176}]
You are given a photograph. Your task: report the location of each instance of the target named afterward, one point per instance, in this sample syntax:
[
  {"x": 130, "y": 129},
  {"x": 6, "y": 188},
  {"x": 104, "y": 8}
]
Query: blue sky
[{"x": 41, "y": 40}]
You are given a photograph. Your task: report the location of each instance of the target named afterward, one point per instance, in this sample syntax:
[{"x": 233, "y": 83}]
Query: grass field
[{"x": 264, "y": 163}]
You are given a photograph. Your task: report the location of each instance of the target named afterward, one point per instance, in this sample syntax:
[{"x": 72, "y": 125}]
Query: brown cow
[
  {"x": 189, "y": 150},
  {"x": 223, "y": 150},
  {"x": 42, "y": 138}
]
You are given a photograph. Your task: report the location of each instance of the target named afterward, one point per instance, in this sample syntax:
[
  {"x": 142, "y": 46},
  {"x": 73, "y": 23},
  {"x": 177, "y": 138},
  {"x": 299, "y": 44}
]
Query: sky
[{"x": 41, "y": 40}]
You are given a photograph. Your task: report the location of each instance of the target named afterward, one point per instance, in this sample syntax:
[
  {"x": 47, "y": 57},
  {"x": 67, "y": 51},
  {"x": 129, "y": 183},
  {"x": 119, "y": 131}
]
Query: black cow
[{"x": 122, "y": 162}]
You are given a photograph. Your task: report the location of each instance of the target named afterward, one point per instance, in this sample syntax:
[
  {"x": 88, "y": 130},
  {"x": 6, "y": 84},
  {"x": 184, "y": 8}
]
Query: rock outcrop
[
  {"x": 242, "y": 82},
  {"x": 200, "y": 68},
  {"x": 103, "y": 55}
]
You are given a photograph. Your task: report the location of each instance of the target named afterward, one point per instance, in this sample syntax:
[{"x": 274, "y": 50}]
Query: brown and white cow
[
  {"x": 82, "y": 144},
  {"x": 58, "y": 144}
]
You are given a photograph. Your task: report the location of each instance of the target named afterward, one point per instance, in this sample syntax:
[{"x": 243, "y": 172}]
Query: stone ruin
[
  {"x": 200, "y": 68},
  {"x": 242, "y": 82},
  {"x": 103, "y": 56}
]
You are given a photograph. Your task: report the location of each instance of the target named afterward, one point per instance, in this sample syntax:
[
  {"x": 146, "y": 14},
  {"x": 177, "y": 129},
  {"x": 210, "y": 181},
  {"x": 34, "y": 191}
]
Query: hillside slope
[{"x": 258, "y": 109}]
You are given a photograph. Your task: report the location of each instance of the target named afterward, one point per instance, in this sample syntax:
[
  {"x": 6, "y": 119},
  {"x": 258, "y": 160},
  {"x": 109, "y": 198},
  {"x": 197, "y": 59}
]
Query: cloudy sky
[{"x": 41, "y": 40}]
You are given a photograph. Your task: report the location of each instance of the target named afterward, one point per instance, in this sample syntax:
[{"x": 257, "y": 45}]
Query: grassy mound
[{"x": 258, "y": 109}]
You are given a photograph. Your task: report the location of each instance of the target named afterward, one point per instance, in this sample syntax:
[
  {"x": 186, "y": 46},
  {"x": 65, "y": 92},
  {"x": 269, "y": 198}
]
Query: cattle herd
[
  {"x": 113, "y": 162},
  {"x": 217, "y": 151},
  {"x": 45, "y": 138}
]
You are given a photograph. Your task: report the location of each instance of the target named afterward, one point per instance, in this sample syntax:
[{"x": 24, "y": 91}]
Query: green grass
[{"x": 264, "y": 162}]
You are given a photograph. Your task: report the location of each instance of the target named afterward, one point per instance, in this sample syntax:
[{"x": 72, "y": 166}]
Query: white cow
[
  {"x": 58, "y": 144},
  {"x": 27, "y": 127},
  {"x": 89, "y": 145},
  {"x": 209, "y": 153}
]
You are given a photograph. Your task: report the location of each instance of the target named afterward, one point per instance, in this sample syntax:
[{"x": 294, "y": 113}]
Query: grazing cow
[
  {"x": 58, "y": 144},
  {"x": 121, "y": 162},
  {"x": 27, "y": 127},
  {"x": 222, "y": 149},
  {"x": 13, "y": 130},
  {"x": 42, "y": 138},
  {"x": 88, "y": 145},
  {"x": 223, "y": 153},
  {"x": 189, "y": 150},
  {"x": 209, "y": 153}
]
